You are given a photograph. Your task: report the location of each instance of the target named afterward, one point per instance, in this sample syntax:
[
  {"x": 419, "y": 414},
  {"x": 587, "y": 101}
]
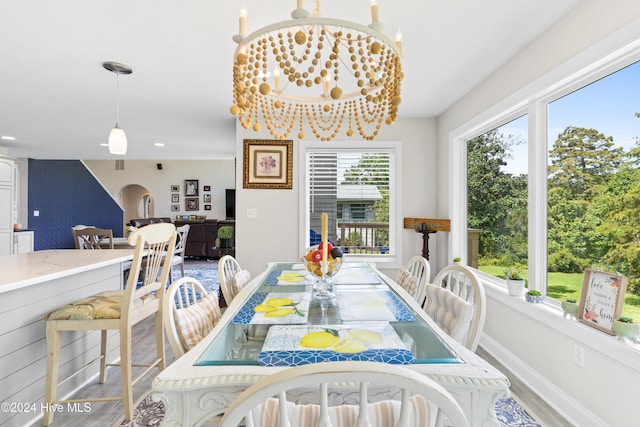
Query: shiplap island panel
[{"x": 32, "y": 285}]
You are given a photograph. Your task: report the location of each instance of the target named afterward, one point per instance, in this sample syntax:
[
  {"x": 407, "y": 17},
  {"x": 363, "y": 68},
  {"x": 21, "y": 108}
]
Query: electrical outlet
[{"x": 578, "y": 355}]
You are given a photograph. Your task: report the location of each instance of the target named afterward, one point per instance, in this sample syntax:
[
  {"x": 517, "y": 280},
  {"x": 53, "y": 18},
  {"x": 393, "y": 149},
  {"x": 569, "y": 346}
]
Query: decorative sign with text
[{"x": 601, "y": 299}]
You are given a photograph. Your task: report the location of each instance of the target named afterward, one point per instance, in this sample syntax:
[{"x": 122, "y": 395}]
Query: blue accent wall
[{"x": 67, "y": 194}]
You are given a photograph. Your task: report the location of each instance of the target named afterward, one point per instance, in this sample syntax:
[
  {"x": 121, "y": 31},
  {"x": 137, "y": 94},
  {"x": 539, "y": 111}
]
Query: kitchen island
[{"x": 32, "y": 285}]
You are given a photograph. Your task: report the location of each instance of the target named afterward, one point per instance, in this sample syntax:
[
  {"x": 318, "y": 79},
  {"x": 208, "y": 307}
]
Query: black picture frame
[
  {"x": 191, "y": 203},
  {"x": 190, "y": 187}
]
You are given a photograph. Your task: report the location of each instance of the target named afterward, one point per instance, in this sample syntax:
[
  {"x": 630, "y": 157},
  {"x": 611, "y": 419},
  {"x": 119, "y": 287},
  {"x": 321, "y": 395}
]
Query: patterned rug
[
  {"x": 509, "y": 412},
  {"x": 206, "y": 271}
]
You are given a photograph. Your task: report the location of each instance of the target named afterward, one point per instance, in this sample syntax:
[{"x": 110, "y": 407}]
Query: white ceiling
[{"x": 58, "y": 101}]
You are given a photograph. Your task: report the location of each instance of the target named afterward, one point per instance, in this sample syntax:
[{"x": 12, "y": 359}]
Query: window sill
[{"x": 550, "y": 314}]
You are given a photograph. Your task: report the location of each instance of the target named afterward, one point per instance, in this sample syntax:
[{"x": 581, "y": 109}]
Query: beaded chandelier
[{"x": 325, "y": 72}]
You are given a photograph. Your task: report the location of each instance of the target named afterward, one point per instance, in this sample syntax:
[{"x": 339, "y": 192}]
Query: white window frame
[
  {"x": 395, "y": 201},
  {"x": 533, "y": 101}
]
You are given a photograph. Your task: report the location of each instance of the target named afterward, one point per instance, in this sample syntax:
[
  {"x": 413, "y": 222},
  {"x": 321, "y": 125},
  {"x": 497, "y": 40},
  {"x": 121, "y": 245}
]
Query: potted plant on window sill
[
  {"x": 515, "y": 281},
  {"x": 570, "y": 307},
  {"x": 533, "y": 296},
  {"x": 226, "y": 234},
  {"x": 625, "y": 328}
]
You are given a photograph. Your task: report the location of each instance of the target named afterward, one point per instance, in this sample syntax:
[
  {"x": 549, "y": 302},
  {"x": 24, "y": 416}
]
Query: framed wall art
[
  {"x": 601, "y": 299},
  {"x": 191, "y": 203},
  {"x": 206, "y": 188},
  {"x": 207, "y": 207},
  {"x": 190, "y": 187},
  {"x": 175, "y": 198},
  {"x": 175, "y": 208},
  {"x": 268, "y": 164},
  {"x": 206, "y": 198},
  {"x": 175, "y": 188}
]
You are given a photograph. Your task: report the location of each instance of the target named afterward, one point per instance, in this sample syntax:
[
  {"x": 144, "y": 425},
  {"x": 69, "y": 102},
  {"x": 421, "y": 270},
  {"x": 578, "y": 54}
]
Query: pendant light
[{"x": 117, "y": 137}]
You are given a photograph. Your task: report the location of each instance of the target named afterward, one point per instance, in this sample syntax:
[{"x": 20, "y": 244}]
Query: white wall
[
  {"x": 542, "y": 352},
  {"x": 219, "y": 174},
  {"x": 273, "y": 235}
]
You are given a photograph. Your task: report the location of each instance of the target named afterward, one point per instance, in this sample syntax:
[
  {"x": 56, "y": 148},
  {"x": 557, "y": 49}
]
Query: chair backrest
[
  {"x": 465, "y": 284},
  {"x": 154, "y": 246},
  {"x": 189, "y": 313},
  {"x": 356, "y": 378},
  {"x": 228, "y": 269},
  {"x": 93, "y": 238},
  {"x": 183, "y": 232},
  {"x": 417, "y": 267}
]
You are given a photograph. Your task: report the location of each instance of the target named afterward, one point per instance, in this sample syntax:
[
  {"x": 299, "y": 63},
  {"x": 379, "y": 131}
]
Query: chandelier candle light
[{"x": 327, "y": 73}]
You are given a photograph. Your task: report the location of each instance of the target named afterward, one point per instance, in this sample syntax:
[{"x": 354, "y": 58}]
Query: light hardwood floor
[
  {"x": 544, "y": 414},
  {"x": 106, "y": 414}
]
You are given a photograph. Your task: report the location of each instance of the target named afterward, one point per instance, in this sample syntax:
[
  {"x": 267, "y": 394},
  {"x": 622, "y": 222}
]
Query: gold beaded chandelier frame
[{"x": 325, "y": 72}]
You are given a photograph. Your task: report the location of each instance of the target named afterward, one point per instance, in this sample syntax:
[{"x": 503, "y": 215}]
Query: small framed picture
[
  {"x": 175, "y": 198},
  {"x": 175, "y": 188},
  {"x": 191, "y": 203},
  {"x": 207, "y": 207},
  {"x": 268, "y": 164},
  {"x": 190, "y": 187},
  {"x": 206, "y": 188},
  {"x": 206, "y": 198},
  {"x": 175, "y": 208}
]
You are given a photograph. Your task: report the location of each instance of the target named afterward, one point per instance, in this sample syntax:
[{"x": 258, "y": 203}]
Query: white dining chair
[
  {"x": 417, "y": 400},
  {"x": 178, "y": 253},
  {"x": 456, "y": 301},
  {"x": 414, "y": 276},
  {"x": 232, "y": 277},
  {"x": 189, "y": 314}
]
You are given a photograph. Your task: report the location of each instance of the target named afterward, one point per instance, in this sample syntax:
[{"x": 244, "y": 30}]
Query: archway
[{"x": 137, "y": 202}]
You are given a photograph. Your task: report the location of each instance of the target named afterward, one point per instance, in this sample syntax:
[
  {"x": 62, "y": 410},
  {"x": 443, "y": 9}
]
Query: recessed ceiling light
[
  {"x": 104, "y": 144},
  {"x": 159, "y": 144},
  {"x": 8, "y": 138}
]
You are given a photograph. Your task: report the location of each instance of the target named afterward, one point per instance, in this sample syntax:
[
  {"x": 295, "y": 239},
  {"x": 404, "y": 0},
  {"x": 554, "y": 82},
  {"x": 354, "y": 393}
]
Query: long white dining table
[{"x": 246, "y": 345}]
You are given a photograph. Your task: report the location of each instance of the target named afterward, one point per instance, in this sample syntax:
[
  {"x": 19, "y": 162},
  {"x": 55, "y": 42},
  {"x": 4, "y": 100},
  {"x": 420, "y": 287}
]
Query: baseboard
[{"x": 569, "y": 408}]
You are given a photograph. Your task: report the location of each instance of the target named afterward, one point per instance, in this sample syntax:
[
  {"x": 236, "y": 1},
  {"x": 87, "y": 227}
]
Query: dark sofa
[
  {"x": 141, "y": 222},
  {"x": 202, "y": 236}
]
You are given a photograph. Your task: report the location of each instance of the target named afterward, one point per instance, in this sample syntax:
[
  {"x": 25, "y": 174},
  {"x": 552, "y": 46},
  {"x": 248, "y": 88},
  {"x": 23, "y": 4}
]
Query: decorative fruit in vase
[{"x": 313, "y": 260}]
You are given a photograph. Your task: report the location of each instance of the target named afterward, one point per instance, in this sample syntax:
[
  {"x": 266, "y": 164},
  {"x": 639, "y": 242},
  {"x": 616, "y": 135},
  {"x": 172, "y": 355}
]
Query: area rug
[
  {"x": 510, "y": 413},
  {"x": 206, "y": 272}
]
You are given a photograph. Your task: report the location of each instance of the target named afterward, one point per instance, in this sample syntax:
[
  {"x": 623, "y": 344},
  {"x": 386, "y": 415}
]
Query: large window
[
  {"x": 581, "y": 197},
  {"x": 497, "y": 195},
  {"x": 357, "y": 189},
  {"x": 594, "y": 185}
]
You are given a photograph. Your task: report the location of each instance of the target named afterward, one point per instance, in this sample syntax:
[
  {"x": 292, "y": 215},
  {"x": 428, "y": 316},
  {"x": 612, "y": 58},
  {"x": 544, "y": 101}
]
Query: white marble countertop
[{"x": 19, "y": 271}]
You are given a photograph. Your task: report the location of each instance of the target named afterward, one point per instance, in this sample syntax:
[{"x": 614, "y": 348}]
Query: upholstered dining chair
[
  {"x": 116, "y": 310},
  {"x": 417, "y": 400},
  {"x": 232, "y": 277},
  {"x": 189, "y": 314},
  {"x": 456, "y": 302},
  {"x": 93, "y": 238},
  {"x": 414, "y": 276}
]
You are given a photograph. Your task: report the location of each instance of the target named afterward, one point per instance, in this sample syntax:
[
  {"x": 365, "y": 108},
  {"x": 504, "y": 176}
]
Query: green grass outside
[{"x": 568, "y": 285}]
